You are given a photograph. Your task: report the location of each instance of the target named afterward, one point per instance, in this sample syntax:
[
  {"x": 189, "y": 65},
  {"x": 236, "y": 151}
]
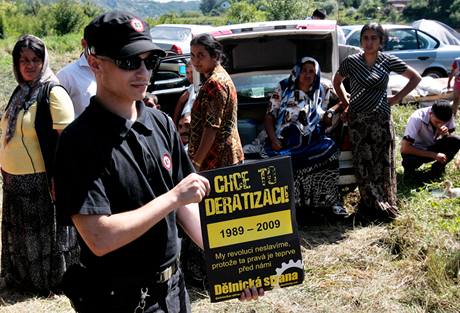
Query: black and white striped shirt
[{"x": 369, "y": 84}]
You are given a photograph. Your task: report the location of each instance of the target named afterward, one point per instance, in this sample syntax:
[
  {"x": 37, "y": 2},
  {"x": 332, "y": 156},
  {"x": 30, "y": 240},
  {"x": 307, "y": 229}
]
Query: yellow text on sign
[{"x": 251, "y": 228}]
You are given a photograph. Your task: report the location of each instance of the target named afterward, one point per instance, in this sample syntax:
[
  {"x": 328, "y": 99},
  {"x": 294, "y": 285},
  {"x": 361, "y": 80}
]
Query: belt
[{"x": 167, "y": 273}]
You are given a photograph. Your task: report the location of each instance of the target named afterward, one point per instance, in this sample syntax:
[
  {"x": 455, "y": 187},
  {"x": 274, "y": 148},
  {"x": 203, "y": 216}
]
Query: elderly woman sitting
[{"x": 293, "y": 127}]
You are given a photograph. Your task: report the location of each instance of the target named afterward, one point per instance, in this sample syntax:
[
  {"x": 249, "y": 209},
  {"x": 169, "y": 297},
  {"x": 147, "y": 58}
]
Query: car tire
[{"x": 435, "y": 73}]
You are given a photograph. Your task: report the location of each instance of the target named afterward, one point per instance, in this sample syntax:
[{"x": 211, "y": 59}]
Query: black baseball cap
[{"x": 119, "y": 35}]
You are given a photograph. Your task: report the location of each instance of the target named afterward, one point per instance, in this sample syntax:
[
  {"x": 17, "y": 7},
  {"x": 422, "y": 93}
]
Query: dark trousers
[
  {"x": 448, "y": 145},
  {"x": 120, "y": 295}
]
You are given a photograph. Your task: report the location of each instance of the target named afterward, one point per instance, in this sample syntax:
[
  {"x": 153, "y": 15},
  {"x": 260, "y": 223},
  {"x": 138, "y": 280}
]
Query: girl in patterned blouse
[
  {"x": 214, "y": 139},
  {"x": 370, "y": 124}
]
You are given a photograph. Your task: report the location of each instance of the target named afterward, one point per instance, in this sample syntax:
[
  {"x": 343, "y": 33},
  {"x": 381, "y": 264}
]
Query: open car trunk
[{"x": 257, "y": 63}]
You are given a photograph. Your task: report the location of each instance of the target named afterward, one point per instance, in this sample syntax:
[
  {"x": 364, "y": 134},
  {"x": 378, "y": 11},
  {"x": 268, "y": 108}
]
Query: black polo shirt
[{"x": 106, "y": 164}]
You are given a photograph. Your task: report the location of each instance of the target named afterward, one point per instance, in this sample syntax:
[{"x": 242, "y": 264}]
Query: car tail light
[{"x": 176, "y": 49}]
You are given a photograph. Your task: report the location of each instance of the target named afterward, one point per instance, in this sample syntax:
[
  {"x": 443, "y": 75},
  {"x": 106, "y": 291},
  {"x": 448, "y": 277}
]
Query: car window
[
  {"x": 426, "y": 42},
  {"x": 257, "y": 85},
  {"x": 170, "y": 33},
  {"x": 346, "y": 31},
  {"x": 401, "y": 39},
  {"x": 354, "y": 39}
]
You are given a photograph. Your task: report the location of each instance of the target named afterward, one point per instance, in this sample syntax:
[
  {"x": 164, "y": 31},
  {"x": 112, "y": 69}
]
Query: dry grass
[
  {"x": 409, "y": 266},
  {"x": 357, "y": 273}
]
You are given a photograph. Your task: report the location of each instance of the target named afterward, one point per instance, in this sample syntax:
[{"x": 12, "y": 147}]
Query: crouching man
[
  {"x": 124, "y": 180},
  {"x": 428, "y": 137}
]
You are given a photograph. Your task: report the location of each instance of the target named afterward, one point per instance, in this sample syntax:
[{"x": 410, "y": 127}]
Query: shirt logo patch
[
  {"x": 167, "y": 162},
  {"x": 137, "y": 25}
]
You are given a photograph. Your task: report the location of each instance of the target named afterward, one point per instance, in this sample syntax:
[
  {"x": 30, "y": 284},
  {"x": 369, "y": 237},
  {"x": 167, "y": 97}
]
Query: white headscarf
[{"x": 28, "y": 91}]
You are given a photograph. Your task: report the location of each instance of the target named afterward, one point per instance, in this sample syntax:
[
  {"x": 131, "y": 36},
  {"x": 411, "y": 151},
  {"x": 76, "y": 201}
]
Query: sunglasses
[{"x": 134, "y": 63}]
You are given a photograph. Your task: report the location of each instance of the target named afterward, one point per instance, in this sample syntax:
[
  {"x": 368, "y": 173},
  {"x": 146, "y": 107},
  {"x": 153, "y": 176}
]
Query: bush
[
  {"x": 64, "y": 44},
  {"x": 68, "y": 17}
]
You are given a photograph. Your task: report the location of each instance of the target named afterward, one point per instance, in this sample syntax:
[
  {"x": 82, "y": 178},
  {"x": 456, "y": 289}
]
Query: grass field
[{"x": 411, "y": 265}]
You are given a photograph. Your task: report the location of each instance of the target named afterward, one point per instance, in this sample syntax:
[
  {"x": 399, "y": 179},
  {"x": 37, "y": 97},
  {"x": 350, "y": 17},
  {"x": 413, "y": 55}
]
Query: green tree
[
  {"x": 350, "y": 3},
  {"x": 286, "y": 9},
  {"x": 68, "y": 16},
  {"x": 44, "y": 23},
  {"x": 169, "y": 18},
  {"x": 371, "y": 9},
  {"x": 206, "y": 6},
  {"x": 455, "y": 14},
  {"x": 31, "y": 7},
  {"x": 446, "y": 11},
  {"x": 243, "y": 12},
  {"x": 91, "y": 10}
]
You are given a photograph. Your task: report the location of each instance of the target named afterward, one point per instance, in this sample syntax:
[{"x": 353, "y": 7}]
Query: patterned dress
[
  {"x": 216, "y": 106},
  {"x": 371, "y": 128}
]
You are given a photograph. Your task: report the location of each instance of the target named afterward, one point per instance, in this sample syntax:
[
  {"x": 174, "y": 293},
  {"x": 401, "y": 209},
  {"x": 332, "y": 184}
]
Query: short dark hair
[
  {"x": 28, "y": 42},
  {"x": 319, "y": 13},
  {"x": 211, "y": 45},
  {"x": 442, "y": 110},
  {"x": 376, "y": 27}
]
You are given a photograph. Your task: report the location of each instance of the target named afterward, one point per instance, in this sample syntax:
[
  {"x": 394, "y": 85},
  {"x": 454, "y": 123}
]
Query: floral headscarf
[
  {"x": 27, "y": 93},
  {"x": 305, "y": 113}
]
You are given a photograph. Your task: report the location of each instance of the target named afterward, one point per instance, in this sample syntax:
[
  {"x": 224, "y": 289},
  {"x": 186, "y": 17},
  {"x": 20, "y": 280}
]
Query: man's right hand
[
  {"x": 191, "y": 189},
  {"x": 441, "y": 158}
]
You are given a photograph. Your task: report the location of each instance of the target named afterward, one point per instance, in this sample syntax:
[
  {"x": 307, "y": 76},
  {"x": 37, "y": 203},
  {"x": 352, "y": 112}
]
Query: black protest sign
[{"x": 249, "y": 230}]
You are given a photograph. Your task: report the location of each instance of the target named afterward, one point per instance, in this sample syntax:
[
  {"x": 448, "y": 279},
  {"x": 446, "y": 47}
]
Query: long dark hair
[
  {"x": 28, "y": 42},
  {"x": 378, "y": 29},
  {"x": 211, "y": 45}
]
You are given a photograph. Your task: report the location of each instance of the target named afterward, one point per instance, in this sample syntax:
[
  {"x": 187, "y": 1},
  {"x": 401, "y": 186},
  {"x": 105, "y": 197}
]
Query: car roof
[
  {"x": 188, "y": 26},
  {"x": 385, "y": 26},
  {"x": 274, "y": 27},
  {"x": 351, "y": 26}
]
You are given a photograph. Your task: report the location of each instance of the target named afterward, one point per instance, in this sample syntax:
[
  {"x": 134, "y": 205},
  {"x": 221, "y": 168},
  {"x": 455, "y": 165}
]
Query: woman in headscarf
[
  {"x": 293, "y": 127},
  {"x": 35, "y": 250}
]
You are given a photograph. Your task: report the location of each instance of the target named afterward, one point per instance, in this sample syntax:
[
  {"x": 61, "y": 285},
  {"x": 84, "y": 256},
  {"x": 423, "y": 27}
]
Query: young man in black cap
[{"x": 124, "y": 180}]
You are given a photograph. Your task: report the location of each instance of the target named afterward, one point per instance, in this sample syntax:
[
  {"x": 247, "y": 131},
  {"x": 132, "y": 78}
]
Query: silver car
[
  {"x": 176, "y": 37},
  {"x": 420, "y": 50}
]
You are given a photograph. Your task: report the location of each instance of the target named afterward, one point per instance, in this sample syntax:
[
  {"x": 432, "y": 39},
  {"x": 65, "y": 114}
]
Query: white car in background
[
  {"x": 176, "y": 37},
  {"x": 425, "y": 53},
  {"x": 175, "y": 40}
]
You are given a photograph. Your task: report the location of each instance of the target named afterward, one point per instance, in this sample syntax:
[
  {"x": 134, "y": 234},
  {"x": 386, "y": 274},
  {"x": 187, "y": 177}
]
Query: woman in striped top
[{"x": 369, "y": 114}]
